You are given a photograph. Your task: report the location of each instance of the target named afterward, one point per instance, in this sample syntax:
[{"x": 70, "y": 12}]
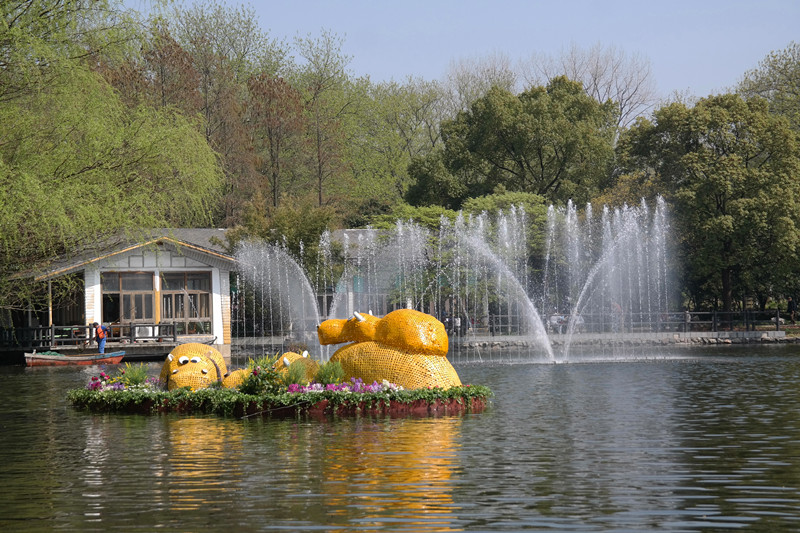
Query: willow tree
[
  {"x": 76, "y": 164},
  {"x": 731, "y": 171}
]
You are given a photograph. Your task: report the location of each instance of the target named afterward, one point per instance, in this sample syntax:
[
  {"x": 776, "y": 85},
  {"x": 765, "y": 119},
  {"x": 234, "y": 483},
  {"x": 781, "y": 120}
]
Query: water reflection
[
  {"x": 677, "y": 444},
  {"x": 740, "y": 443},
  {"x": 399, "y": 471},
  {"x": 371, "y": 473},
  {"x": 195, "y": 458}
]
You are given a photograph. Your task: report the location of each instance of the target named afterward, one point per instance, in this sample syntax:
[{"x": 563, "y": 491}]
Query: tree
[
  {"x": 429, "y": 217},
  {"x": 173, "y": 79},
  {"x": 469, "y": 79},
  {"x": 777, "y": 79},
  {"x": 434, "y": 184},
  {"x": 607, "y": 74},
  {"x": 393, "y": 123},
  {"x": 553, "y": 141},
  {"x": 77, "y": 165},
  {"x": 297, "y": 226},
  {"x": 275, "y": 118},
  {"x": 227, "y": 47},
  {"x": 730, "y": 169},
  {"x": 323, "y": 78}
]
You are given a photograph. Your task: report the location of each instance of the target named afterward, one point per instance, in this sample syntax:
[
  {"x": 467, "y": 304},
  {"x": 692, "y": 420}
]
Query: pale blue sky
[{"x": 700, "y": 47}]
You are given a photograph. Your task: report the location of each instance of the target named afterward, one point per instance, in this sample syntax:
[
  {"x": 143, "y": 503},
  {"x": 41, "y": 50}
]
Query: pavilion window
[
  {"x": 186, "y": 301},
  {"x": 128, "y": 297}
]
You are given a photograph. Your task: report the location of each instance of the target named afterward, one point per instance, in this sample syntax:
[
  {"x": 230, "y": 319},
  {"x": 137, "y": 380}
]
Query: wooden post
[{"x": 50, "y": 312}]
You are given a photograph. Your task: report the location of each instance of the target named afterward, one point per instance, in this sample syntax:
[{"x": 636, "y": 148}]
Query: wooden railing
[{"x": 53, "y": 336}]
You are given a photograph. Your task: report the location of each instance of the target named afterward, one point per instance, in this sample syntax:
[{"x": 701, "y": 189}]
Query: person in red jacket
[{"x": 100, "y": 335}]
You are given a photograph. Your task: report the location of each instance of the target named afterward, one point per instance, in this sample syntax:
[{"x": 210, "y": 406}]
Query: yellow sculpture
[
  {"x": 287, "y": 359},
  {"x": 236, "y": 378},
  {"x": 193, "y": 365},
  {"x": 405, "y": 347},
  {"x": 198, "y": 366}
]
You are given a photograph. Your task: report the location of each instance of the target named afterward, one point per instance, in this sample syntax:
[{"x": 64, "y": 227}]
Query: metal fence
[{"x": 682, "y": 322}]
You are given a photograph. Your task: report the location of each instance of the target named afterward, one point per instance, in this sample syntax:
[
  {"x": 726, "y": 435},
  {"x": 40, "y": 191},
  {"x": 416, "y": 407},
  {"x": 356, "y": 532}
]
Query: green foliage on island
[{"x": 231, "y": 402}]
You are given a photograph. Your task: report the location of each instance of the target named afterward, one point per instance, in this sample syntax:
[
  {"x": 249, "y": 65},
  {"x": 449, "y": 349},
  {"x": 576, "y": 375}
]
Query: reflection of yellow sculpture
[
  {"x": 403, "y": 468},
  {"x": 405, "y": 347},
  {"x": 198, "y": 453}
]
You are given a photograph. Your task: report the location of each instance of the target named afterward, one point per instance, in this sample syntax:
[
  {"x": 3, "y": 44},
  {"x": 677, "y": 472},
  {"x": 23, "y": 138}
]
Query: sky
[{"x": 698, "y": 47}]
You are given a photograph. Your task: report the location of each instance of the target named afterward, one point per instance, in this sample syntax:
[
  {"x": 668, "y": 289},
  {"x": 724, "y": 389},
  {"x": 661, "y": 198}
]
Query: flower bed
[
  {"x": 316, "y": 404},
  {"x": 353, "y": 398}
]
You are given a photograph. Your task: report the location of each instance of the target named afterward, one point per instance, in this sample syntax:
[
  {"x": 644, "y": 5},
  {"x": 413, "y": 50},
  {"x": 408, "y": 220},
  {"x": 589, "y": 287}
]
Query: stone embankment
[{"x": 630, "y": 339}]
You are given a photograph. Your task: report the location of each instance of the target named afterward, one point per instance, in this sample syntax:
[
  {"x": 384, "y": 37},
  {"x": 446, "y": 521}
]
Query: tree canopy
[
  {"x": 76, "y": 164},
  {"x": 554, "y": 141},
  {"x": 196, "y": 116},
  {"x": 730, "y": 170},
  {"x": 777, "y": 79}
]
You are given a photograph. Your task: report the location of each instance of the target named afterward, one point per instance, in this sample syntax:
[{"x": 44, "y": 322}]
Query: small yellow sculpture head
[
  {"x": 193, "y": 365},
  {"x": 412, "y": 331},
  {"x": 287, "y": 359},
  {"x": 358, "y": 328}
]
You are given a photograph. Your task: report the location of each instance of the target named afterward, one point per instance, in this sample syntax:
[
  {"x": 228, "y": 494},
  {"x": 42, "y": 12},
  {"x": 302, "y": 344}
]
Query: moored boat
[{"x": 58, "y": 359}]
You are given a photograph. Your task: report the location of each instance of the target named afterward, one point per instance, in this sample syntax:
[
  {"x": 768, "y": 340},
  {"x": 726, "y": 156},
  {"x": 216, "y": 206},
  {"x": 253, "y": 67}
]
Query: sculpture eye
[
  {"x": 169, "y": 357},
  {"x": 175, "y": 371},
  {"x": 183, "y": 360},
  {"x": 196, "y": 359},
  {"x": 204, "y": 371}
]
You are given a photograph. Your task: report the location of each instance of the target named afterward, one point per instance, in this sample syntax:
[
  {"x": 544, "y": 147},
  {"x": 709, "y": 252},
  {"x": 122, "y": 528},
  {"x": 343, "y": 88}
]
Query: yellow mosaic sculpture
[
  {"x": 289, "y": 358},
  {"x": 193, "y": 365},
  {"x": 198, "y": 366},
  {"x": 236, "y": 378},
  {"x": 405, "y": 347}
]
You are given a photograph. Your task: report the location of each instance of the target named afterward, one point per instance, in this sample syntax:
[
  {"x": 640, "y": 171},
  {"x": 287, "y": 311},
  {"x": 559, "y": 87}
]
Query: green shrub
[
  {"x": 133, "y": 375},
  {"x": 295, "y": 373},
  {"x": 331, "y": 373},
  {"x": 263, "y": 378}
]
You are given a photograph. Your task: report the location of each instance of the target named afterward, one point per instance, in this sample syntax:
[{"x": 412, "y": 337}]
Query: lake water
[{"x": 695, "y": 441}]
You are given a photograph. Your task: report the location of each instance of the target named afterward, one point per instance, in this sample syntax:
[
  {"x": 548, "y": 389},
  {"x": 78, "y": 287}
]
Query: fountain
[
  {"x": 588, "y": 280},
  {"x": 274, "y": 307}
]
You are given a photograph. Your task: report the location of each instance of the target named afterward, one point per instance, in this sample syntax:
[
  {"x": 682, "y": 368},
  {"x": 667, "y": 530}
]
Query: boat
[{"x": 59, "y": 359}]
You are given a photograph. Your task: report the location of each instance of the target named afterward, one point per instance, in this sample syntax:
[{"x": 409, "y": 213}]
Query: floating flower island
[
  {"x": 403, "y": 355},
  {"x": 351, "y": 399}
]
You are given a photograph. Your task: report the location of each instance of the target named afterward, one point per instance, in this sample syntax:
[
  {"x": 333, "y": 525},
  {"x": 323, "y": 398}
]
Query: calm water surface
[{"x": 698, "y": 441}]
